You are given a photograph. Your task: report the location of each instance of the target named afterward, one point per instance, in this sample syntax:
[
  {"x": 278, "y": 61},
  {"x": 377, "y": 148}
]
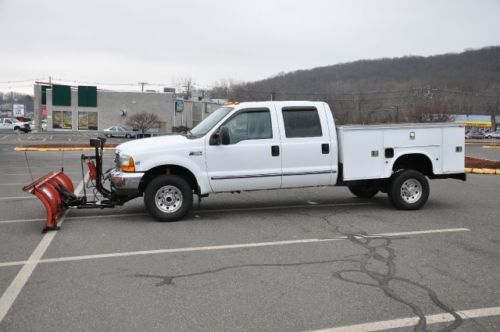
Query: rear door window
[{"x": 301, "y": 122}]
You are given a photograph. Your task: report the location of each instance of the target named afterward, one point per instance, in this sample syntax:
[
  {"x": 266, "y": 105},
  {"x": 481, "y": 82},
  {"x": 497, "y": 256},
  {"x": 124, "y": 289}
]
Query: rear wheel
[
  {"x": 364, "y": 190},
  {"x": 127, "y": 136},
  {"x": 408, "y": 190},
  {"x": 168, "y": 197}
]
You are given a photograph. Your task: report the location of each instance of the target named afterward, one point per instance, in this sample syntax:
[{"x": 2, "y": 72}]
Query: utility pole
[
  {"x": 494, "y": 126},
  {"x": 142, "y": 84},
  {"x": 188, "y": 87}
]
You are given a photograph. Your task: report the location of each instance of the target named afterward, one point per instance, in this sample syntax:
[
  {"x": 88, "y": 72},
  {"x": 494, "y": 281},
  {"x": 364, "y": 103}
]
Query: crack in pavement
[
  {"x": 169, "y": 280},
  {"x": 377, "y": 253}
]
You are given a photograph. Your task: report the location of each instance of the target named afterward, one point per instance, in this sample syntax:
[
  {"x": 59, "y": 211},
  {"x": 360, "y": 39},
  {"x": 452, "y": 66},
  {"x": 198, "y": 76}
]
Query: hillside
[{"x": 389, "y": 89}]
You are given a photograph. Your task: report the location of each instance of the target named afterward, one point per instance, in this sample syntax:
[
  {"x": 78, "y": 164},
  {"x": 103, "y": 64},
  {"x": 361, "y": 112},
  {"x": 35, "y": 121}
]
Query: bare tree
[
  {"x": 430, "y": 112},
  {"x": 143, "y": 121},
  {"x": 186, "y": 85}
]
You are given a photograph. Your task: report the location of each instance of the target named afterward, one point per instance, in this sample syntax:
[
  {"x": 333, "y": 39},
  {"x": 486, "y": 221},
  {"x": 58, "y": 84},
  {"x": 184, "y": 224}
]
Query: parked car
[
  {"x": 14, "y": 124},
  {"x": 475, "y": 135},
  {"x": 118, "y": 131},
  {"x": 43, "y": 122},
  {"x": 493, "y": 134}
]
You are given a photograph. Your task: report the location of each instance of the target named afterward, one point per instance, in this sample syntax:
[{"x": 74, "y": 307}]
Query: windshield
[
  {"x": 14, "y": 120},
  {"x": 204, "y": 126}
]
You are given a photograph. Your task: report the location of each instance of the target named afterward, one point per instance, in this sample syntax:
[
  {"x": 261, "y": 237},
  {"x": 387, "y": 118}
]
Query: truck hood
[{"x": 155, "y": 144}]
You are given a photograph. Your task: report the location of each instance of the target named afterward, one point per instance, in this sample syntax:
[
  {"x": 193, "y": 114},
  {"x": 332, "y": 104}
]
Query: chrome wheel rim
[
  {"x": 411, "y": 190},
  {"x": 168, "y": 199}
]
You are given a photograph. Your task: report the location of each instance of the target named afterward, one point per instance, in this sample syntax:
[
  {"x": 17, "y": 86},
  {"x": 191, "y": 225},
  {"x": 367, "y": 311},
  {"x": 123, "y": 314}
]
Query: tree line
[{"x": 388, "y": 90}]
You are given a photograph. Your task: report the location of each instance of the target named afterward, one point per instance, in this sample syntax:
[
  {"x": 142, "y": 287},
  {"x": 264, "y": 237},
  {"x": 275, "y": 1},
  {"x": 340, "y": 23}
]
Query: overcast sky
[{"x": 120, "y": 41}]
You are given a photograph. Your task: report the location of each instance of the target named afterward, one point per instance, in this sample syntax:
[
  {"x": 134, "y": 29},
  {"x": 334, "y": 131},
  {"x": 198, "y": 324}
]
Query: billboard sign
[{"x": 18, "y": 110}]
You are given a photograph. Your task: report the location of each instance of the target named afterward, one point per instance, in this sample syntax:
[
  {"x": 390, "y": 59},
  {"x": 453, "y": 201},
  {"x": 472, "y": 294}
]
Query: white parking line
[
  {"x": 38, "y": 174},
  {"x": 122, "y": 215},
  {"x": 412, "y": 321},
  {"x": 229, "y": 246},
  {"x": 16, "y": 286},
  {"x": 15, "y": 198}
]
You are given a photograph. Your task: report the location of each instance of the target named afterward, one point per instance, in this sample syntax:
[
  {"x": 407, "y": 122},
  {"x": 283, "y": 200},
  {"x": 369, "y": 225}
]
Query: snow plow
[{"x": 57, "y": 193}]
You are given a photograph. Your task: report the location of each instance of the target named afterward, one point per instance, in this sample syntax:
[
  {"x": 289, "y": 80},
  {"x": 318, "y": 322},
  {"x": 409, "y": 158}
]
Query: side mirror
[
  {"x": 215, "y": 139},
  {"x": 224, "y": 135}
]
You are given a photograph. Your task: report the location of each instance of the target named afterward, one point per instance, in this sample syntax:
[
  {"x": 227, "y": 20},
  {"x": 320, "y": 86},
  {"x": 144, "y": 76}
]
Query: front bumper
[{"x": 126, "y": 183}]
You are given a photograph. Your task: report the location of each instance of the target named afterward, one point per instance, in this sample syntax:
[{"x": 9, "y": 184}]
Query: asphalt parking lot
[{"x": 281, "y": 260}]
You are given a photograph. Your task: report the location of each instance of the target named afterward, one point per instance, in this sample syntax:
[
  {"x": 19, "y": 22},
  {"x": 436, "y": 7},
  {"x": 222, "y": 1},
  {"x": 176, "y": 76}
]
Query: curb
[
  {"x": 56, "y": 149},
  {"x": 490, "y": 171},
  {"x": 491, "y": 146}
]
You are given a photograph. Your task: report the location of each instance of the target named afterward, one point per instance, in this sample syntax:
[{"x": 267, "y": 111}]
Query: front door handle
[
  {"x": 325, "y": 148},
  {"x": 275, "y": 150}
]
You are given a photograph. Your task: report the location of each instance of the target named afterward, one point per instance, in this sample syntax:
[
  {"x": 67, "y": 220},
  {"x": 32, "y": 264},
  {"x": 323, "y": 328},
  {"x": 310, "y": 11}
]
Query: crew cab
[{"x": 286, "y": 144}]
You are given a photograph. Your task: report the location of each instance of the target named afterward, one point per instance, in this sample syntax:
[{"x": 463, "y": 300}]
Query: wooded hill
[{"x": 411, "y": 88}]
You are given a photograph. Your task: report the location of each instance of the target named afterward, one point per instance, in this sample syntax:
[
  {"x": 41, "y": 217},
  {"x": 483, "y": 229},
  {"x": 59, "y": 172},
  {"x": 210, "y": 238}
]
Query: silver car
[{"x": 118, "y": 131}]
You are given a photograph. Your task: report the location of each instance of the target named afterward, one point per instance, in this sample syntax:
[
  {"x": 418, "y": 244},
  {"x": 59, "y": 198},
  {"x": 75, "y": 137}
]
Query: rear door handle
[
  {"x": 325, "y": 148},
  {"x": 275, "y": 150}
]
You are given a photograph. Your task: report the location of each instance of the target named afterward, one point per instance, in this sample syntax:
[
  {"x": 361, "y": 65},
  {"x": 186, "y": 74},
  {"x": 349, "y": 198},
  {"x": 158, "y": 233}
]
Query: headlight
[{"x": 126, "y": 163}]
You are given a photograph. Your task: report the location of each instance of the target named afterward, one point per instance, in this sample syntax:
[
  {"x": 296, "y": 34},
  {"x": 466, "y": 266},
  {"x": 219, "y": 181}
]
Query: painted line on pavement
[
  {"x": 280, "y": 207},
  {"x": 194, "y": 212},
  {"x": 38, "y": 174},
  {"x": 229, "y": 246},
  {"x": 412, "y": 321},
  {"x": 22, "y": 277},
  {"x": 15, "y": 198}
]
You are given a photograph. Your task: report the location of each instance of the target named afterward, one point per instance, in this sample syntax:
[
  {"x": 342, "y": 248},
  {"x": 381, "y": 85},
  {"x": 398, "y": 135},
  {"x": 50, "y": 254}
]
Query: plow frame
[{"x": 56, "y": 190}]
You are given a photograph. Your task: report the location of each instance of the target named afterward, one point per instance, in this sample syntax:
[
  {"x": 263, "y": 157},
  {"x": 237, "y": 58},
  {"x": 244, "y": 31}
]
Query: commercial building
[{"x": 86, "y": 108}]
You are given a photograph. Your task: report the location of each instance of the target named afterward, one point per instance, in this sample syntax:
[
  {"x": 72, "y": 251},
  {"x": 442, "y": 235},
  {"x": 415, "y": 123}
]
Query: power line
[{"x": 21, "y": 81}]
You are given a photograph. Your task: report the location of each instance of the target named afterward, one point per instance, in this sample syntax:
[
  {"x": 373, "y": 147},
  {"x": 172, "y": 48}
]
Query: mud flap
[{"x": 54, "y": 190}]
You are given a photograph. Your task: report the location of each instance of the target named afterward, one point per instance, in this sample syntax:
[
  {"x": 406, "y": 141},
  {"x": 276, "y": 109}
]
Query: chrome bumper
[{"x": 126, "y": 183}]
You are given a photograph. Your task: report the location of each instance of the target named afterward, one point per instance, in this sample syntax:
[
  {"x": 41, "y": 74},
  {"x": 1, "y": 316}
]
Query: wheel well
[
  {"x": 414, "y": 161},
  {"x": 169, "y": 170}
]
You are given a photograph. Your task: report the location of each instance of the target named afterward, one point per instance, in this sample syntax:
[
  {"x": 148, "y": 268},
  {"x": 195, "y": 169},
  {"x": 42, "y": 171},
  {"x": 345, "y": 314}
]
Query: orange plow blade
[{"x": 53, "y": 190}]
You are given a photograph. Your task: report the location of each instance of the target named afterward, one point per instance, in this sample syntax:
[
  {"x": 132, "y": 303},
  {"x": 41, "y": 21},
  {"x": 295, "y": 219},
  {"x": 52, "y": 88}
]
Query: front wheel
[
  {"x": 168, "y": 197},
  {"x": 364, "y": 190},
  {"x": 408, "y": 190}
]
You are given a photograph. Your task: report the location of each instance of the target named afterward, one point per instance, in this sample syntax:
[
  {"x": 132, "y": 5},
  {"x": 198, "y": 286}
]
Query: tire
[
  {"x": 408, "y": 190},
  {"x": 163, "y": 192},
  {"x": 17, "y": 129},
  {"x": 127, "y": 136},
  {"x": 364, "y": 190}
]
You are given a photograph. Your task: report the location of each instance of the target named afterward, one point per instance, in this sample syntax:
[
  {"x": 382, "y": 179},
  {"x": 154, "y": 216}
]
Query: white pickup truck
[
  {"x": 289, "y": 144},
  {"x": 14, "y": 124}
]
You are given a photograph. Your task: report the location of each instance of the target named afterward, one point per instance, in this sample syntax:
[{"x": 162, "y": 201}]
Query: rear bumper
[{"x": 126, "y": 183}]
